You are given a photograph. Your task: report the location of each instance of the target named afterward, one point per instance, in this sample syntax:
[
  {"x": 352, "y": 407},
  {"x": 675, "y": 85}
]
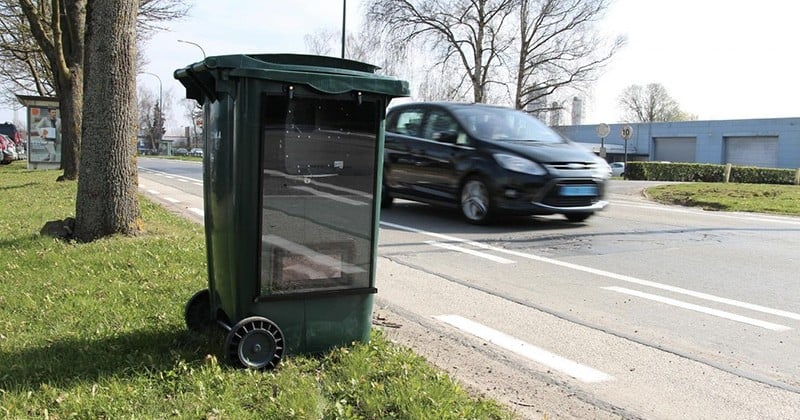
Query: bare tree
[
  {"x": 59, "y": 28},
  {"x": 367, "y": 45},
  {"x": 651, "y": 103},
  {"x": 107, "y": 201},
  {"x": 441, "y": 85},
  {"x": 320, "y": 42},
  {"x": 24, "y": 67},
  {"x": 150, "y": 118},
  {"x": 49, "y": 36},
  {"x": 194, "y": 113},
  {"x": 153, "y": 12},
  {"x": 559, "y": 48},
  {"x": 468, "y": 32}
]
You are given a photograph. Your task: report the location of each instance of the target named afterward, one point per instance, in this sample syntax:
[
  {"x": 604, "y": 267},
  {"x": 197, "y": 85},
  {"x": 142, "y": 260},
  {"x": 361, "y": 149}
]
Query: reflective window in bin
[{"x": 318, "y": 163}]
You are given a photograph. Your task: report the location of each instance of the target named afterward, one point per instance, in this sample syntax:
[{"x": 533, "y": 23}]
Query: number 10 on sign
[{"x": 626, "y": 132}]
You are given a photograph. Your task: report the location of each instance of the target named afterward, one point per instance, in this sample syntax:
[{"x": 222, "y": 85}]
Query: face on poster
[{"x": 45, "y": 134}]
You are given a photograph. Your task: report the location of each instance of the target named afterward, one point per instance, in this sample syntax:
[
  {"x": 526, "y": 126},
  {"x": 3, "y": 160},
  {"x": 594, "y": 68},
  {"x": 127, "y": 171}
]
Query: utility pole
[{"x": 344, "y": 20}]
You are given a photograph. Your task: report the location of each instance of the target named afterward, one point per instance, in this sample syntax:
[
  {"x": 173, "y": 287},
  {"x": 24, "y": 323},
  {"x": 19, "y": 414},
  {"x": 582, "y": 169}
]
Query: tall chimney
[{"x": 577, "y": 110}]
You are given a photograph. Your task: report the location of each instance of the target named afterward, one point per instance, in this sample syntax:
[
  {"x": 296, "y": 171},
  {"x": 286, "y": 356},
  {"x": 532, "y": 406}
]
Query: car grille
[
  {"x": 572, "y": 166},
  {"x": 557, "y": 201},
  {"x": 554, "y": 199}
]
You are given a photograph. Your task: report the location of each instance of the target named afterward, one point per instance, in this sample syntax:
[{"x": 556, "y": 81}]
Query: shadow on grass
[
  {"x": 129, "y": 355},
  {"x": 14, "y": 187}
]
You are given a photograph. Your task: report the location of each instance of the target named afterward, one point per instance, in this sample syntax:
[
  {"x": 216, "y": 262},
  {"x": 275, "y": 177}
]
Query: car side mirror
[{"x": 449, "y": 136}]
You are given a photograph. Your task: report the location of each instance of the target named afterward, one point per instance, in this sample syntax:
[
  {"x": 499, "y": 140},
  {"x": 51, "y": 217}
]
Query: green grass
[
  {"x": 777, "y": 199},
  {"x": 96, "y": 331},
  {"x": 187, "y": 158}
]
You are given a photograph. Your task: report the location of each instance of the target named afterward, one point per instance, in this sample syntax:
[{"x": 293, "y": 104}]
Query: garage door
[
  {"x": 675, "y": 149},
  {"x": 752, "y": 151}
]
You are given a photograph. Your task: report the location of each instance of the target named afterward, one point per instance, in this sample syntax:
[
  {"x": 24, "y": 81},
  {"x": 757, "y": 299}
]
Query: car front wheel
[{"x": 476, "y": 205}]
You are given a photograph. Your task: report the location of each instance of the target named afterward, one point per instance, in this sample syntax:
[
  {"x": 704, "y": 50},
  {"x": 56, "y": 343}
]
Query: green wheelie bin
[{"x": 292, "y": 176}]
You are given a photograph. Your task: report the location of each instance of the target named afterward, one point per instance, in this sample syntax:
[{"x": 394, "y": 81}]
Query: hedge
[{"x": 704, "y": 172}]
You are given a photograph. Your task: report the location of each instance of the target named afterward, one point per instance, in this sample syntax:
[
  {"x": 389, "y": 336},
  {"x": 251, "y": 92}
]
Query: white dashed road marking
[
  {"x": 576, "y": 370},
  {"x": 702, "y": 309},
  {"x": 607, "y": 274},
  {"x": 470, "y": 252}
]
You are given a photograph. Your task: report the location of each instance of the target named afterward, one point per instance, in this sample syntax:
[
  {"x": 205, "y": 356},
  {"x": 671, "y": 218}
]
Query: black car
[{"x": 488, "y": 160}]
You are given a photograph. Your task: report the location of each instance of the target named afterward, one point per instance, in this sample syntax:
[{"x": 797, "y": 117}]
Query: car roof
[{"x": 449, "y": 105}]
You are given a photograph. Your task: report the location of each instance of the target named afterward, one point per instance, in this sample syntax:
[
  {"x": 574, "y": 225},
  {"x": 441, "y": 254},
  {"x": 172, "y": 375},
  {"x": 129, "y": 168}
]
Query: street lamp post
[
  {"x": 196, "y": 45},
  {"x": 344, "y": 19},
  {"x": 160, "y": 90},
  {"x": 160, "y": 100}
]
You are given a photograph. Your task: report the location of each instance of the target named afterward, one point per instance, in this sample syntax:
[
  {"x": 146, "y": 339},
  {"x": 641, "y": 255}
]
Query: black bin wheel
[
  {"x": 255, "y": 343},
  {"x": 198, "y": 312}
]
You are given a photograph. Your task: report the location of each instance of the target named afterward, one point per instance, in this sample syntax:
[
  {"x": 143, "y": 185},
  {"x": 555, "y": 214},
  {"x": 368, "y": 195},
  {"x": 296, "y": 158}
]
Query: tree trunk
[
  {"x": 107, "y": 201},
  {"x": 71, "y": 107}
]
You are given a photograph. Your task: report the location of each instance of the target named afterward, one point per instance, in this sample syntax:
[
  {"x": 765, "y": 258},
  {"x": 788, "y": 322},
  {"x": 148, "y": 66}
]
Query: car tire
[
  {"x": 475, "y": 202},
  {"x": 577, "y": 217},
  {"x": 386, "y": 198}
]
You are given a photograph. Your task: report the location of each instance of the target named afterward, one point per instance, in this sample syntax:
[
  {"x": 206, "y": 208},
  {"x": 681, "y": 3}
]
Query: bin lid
[{"x": 326, "y": 74}]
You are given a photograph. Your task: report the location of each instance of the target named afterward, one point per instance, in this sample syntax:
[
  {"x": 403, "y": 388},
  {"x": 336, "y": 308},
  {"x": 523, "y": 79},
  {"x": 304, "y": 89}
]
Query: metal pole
[
  {"x": 160, "y": 97},
  {"x": 625, "y": 171},
  {"x": 603, "y": 147},
  {"x": 196, "y": 45},
  {"x": 344, "y": 20}
]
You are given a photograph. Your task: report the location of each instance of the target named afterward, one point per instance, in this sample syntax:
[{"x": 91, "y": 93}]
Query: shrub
[{"x": 705, "y": 172}]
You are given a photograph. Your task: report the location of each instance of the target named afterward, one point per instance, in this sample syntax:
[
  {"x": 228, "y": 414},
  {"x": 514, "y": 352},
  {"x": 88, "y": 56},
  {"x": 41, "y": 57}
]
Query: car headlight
[
  {"x": 519, "y": 164},
  {"x": 602, "y": 168}
]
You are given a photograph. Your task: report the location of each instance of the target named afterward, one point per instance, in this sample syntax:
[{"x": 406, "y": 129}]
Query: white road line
[
  {"x": 702, "y": 309},
  {"x": 154, "y": 192},
  {"x": 172, "y": 200},
  {"x": 330, "y": 196},
  {"x": 197, "y": 211},
  {"x": 314, "y": 181},
  {"x": 182, "y": 180},
  {"x": 470, "y": 252},
  {"x": 199, "y": 184},
  {"x": 178, "y": 177},
  {"x": 576, "y": 370},
  {"x": 608, "y": 274}
]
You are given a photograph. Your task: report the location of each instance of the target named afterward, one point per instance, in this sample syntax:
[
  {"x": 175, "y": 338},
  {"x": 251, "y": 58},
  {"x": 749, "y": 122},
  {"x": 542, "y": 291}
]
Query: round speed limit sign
[{"x": 626, "y": 132}]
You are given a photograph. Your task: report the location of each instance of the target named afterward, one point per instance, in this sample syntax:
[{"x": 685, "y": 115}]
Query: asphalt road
[{"x": 644, "y": 310}]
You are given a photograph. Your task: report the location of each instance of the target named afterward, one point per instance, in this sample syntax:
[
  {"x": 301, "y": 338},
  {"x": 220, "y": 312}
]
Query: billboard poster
[{"x": 44, "y": 135}]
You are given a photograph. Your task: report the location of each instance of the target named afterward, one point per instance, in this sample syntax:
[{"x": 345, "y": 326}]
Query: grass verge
[
  {"x": 96, "y": 331},
  {"x": 175, "y": 157},
  {"x": 759, "y": 198}
]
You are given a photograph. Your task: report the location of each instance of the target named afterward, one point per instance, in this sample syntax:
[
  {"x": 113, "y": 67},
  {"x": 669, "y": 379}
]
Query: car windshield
[{"x": 504, "y": 124}]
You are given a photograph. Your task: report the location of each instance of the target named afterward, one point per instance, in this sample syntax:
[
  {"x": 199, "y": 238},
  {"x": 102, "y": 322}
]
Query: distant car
[
  {"x": 617, "y": 168},
  {"x": 488, "y": 160},
  {"x": 181, "y": 152},
  {"x": 8, "y": 150},
  {"x": 196, "y": 152}
]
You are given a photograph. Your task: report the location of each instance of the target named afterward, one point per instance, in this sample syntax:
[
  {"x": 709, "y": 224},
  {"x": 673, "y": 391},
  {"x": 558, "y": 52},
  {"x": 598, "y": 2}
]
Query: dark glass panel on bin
[{"x": 318, "y": 169}]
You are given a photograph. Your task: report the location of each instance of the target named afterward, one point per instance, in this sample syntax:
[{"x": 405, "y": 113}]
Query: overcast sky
[{"x": 718, "y": 59}]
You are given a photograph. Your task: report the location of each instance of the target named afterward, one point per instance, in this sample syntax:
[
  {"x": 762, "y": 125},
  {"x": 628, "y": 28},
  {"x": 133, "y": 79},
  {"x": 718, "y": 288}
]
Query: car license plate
[{"x": 578, "y": 190}]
